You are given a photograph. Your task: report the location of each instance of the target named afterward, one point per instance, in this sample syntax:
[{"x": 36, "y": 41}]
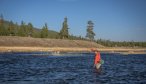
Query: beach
[{"x": 72, "y": 49}]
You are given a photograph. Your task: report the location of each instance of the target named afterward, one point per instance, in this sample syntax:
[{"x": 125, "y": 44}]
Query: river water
[{"x": 71, "y": 68}]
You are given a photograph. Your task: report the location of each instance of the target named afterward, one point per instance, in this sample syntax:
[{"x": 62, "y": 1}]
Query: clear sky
[{"x": 117, "y": 20}]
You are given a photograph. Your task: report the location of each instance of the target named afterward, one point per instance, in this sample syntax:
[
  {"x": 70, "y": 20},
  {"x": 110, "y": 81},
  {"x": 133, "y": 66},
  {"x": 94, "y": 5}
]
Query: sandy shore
[
  {"x": 45, "y": 49},
  {"x": 73, "y": 49}
]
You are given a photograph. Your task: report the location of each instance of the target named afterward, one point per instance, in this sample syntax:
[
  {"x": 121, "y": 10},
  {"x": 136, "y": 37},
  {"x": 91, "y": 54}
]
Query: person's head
[{"x": 94, "y": 50}]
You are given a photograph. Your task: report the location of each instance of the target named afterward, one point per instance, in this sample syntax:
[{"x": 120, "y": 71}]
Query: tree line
[
  {"x": 8, "y": 28},
  {"x": 109, "y": 43}
]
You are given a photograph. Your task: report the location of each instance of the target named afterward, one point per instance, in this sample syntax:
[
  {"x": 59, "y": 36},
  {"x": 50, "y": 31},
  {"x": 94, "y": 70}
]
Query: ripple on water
[{"x": 35, "y": 68}]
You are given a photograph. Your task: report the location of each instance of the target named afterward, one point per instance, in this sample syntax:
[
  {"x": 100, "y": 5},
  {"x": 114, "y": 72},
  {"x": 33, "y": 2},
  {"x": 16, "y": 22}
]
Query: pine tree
[
  {"x": 30, "y": 29},
  {"x": 1, "y": 25},
  {"x": 64, "y": 31},
  {"x": 11, "y": 29},
  {"x": 44, "y": 31},
  {"x": 1, "y": 20},
  {"x": 3, "y": 29},
  {"x": 90, "y": 34},
  {"x": 21, "y": 31},
  {"x": 16, "y": 29}
]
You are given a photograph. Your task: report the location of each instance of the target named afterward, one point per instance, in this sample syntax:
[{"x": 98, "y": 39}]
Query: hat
[{"x": 94, "y": 50}]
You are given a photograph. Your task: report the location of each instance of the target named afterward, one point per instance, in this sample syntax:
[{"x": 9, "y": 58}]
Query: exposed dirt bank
[{"x": 16, "y": 41}]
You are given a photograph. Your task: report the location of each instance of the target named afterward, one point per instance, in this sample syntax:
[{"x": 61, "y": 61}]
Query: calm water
[{"x": 71, "y": 68}]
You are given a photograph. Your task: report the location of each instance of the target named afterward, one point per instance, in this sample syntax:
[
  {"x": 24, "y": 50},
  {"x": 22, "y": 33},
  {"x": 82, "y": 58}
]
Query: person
[{"x": 97, "y": 59}]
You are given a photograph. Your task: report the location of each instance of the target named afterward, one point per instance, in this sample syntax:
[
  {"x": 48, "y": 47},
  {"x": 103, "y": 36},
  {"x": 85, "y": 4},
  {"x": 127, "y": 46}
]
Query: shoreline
[{"x": 73, "y": 49}]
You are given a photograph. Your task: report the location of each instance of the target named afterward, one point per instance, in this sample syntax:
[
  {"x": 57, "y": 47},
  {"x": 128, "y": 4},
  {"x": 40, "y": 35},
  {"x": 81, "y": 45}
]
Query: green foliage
[
  {"x": 1, "y": 20},
  {"x": 25, "y": 30},
  {"x": 53, "y": 34},
  {"x": 22, "y": 29},
  {"x": 90, "y": 34},
  {"x": 11, "y": 29},
  {"x": 64, "y": 31},
  {"x": 30, "y": 30},
  {"x": 3, "y": 28},
  {"x": 44, "y": 31},
  {"x": 109, "y": 43},
  {"x": 8, "y": 28},
  {"x": 72, "y": 37}
]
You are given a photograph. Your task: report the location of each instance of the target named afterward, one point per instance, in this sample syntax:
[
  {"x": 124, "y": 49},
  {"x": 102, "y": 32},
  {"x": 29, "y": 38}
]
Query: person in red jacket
[{"x": 97, "y": 59}]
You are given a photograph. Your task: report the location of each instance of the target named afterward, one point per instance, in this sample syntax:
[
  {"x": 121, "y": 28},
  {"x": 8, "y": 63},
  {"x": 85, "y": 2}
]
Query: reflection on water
[{"x": 72, "y": 68}]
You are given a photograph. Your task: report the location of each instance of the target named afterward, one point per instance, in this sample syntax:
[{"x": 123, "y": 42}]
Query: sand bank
[{"x": 73, "y": 49}]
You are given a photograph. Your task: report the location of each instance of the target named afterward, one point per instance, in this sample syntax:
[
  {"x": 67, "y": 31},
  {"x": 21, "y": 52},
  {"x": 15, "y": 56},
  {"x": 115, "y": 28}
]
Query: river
[{"x": 71, "y": 68}]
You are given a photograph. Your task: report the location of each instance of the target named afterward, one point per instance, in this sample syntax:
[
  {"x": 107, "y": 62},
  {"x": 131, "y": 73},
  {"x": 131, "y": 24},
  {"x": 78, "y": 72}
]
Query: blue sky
[{"x": 117, "y": 20}]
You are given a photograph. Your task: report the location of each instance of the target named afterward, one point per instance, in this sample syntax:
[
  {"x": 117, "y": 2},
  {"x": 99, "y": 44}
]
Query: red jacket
[{"x": 97, "y": 58}]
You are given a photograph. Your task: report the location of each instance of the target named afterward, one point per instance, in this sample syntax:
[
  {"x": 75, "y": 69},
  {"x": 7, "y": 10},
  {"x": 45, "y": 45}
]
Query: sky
[{"x": 116, "y": 20}]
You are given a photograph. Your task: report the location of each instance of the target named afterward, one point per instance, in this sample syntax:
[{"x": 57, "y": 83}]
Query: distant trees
[
  {"x": 44, "y": 31},
  {"x": 64, "y": 31},
  {"x": 90, "y": 34},
  {"x": 1, "y": 19},
  {"x": 8, "y": 28},
  {"x": 109, "y": 43},
  {"x": 30, "y": 29},
  {"x": 22, "y": 29},
  {"x": 11, "y": 29},
  {"x": 3, "y": 30}
]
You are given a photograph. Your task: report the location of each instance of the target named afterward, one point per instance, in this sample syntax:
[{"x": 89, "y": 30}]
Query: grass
[{"x": 28, "y": 44}]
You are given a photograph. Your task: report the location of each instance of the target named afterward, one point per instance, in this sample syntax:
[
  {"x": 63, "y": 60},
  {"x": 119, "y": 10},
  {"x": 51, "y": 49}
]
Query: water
[{"x": 71, "y": 68}]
